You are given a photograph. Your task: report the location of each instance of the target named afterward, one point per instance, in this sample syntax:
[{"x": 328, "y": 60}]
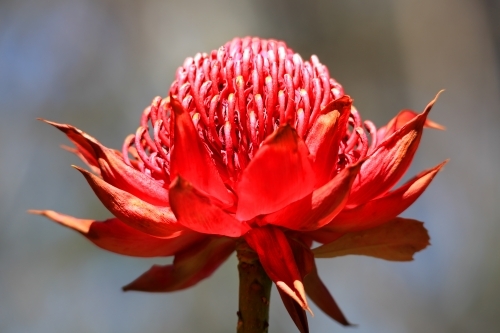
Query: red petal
[
  {"x": 390, "y": 160},
  {"x": 117, "y": 173},
  {"x": 115, "y": 236},
  {"x": 399, "y": 121},
  {"x": 279, "y": 174},
  {"x": 278, "y": 261},
  {"x": 189, "y": 267},
  {"x": 140, "y": 215},
  {"x": 396, "y": 240},
  {"x": 383, "y": 209},
  {"x": 191, "y": 160},
  {"x": 81, "y": 140},
  {"x": 320, "y": 295},
  {"x": 195, "y": 211},
  {"x": 317, "y": 209},
  {"x": 107, "y": 163},
  {"x": 313, "y": 285},
  {"x": 324, "y": 137},
  {"x": 297, "y": 314}
]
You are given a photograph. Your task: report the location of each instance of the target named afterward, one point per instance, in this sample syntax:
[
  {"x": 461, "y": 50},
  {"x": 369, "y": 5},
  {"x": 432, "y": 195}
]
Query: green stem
[{"x": 255, "y": 290}]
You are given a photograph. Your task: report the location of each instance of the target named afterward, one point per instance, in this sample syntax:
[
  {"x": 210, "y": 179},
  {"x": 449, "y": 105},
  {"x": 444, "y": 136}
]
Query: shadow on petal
[
  {"x": 389, "y": 161},
  {"x": 378, "y": 211},
  {"x": 396, "y": 240},
  {"x": 140, "y": 215},
  {"x": 115, "y": 236},
  {"x": 317, "y": 209},
  {"x": 279, "y": 174},
  {"x": 195, "y": 211},
  {"x": 189, "y": 267},
  {"x": 191, "y": 160}
]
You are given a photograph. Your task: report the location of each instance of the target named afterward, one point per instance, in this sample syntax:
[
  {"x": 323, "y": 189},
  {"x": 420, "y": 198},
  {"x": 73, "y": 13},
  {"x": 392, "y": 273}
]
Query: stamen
[
  {"x": 181, "y": 76},
  {"x": 316, "y": 88},
  {"x": 307, "y": 108},
  {"x": 246, "y": 63},
  {"x": 198, "y": 97},
  {"x": 144, "y": 123},
  {"x": 281, "y": 101},
  {"x": 155, "y": 105},
  {"x": 270, "y": 103},
  {"x": 240, "y": 86},
  {"x": 282, "y": 57},
  {"x": 290, "y": 100},
  {"x": 253, "y": 130},
  {"x": 183, "y": 91},
  {"x": 206, "y": 68},
  {"x": 363, "y": 142},
  {"x": 158, "y": 140},
  {"x": 372, "y": 129},
  {"x": 301, "y": 126},
  {"x": 211, "y": 119},
  {"x": 326, "y": 90},
  {"x": 260, "y": 114},
  {"x": 259, "y": 65},
  {"x": 126, "y": 145},
  {"x": 214, "y": 77},
  {"x": 142, "y": 153},
  {"x": 353, "y": 139},
  {"x": 297, "y": 62},
  {"x": 229, "y": 147}
]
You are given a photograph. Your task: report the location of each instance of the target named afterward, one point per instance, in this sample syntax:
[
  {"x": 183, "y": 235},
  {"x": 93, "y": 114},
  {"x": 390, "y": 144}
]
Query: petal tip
[
  {"x": 431, "y": 103},
  {"x": 36, "y": 212},
  {"x": 82, "y": 170}
]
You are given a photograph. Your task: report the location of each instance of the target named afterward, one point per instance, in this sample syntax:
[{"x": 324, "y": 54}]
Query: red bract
[{"x": 254, "y": 144}]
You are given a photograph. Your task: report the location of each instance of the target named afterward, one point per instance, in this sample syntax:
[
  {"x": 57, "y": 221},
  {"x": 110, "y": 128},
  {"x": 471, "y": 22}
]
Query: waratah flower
[{"x": 255, "y": 146}]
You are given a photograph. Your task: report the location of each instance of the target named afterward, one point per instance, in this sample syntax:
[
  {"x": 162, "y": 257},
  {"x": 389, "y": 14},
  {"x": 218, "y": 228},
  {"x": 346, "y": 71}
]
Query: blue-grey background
[{"x": 97, "y": 63}]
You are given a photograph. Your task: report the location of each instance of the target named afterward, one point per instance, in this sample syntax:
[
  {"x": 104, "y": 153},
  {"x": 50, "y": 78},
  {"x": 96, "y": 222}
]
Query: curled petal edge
[
  {"x": 140, "y": 215},
  {"x": 115, "y": 236}
]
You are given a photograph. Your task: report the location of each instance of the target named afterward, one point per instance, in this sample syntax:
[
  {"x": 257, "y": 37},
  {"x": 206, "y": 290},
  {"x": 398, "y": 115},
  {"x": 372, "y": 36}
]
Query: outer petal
[
  {"x": 195, "y": 211},
  {"x": 278, "y": 261},
  {"x": 320, "y": 295},
  {"x": 107, "y": 163},
  {"x": 383, "y": 209},
  {"x": 115, "y": 236},
  {"x": 389, "y": 161},
  {"x": 191, "y": 160},
  {"x": 314, "y": 287},
  {"x": 397, "y": 240},
  {"x": 279, "y": 174},
  {"x": 140, "y": 215},
  {"x": 317, "y": 209},
  {"x": 399, "y": 121},
  {"x": 117, "y": 173},
  {"x": 295, "y": 311},
  {"x": 189, "y": 267},
  {"x": 324, "y": 137},
  {"x": 81, "y": 140}
]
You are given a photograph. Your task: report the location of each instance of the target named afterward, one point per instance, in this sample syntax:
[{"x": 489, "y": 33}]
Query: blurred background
[{"x": 97, "y": 63}]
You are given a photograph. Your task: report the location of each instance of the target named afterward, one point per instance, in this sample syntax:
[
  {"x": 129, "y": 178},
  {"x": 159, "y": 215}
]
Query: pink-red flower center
[{"x": 237, "y": 96}]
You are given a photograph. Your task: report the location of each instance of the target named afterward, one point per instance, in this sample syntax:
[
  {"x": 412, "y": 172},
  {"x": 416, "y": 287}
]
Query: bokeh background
[{"x": 97, "y": 63}]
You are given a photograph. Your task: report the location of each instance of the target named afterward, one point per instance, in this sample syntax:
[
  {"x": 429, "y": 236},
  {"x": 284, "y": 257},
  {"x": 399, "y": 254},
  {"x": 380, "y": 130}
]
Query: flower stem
[{"x": 255, "y": 290}]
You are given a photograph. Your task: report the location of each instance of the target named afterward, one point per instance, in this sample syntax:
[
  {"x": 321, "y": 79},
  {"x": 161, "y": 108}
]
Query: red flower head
[{"x": 255, "y": 145}]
